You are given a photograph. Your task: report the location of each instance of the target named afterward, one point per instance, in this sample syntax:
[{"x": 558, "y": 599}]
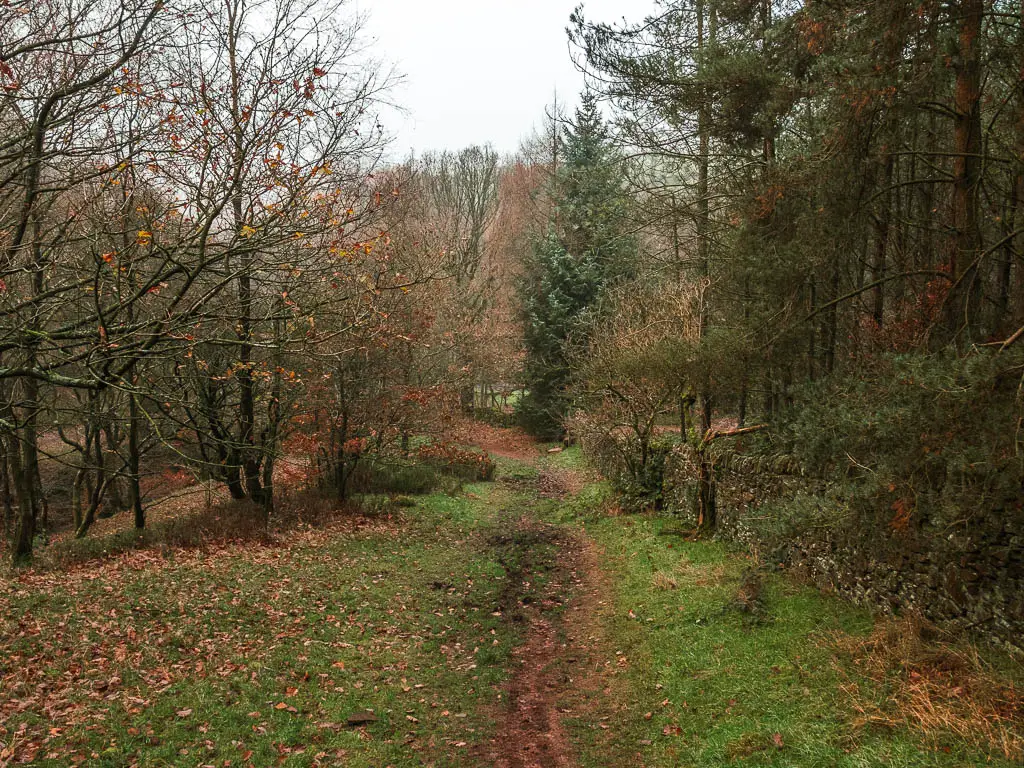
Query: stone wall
[
  {"x": 968, "y": 577},
  {"x": 962, "y": 581}
]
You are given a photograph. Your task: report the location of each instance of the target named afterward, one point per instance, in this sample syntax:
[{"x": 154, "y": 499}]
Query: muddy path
[
  {"x": 552, "y": 584},
  {"x": 540, "y": 564}
]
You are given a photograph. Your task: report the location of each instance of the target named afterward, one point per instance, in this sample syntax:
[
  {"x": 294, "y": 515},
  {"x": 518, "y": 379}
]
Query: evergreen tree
[
  {"x": 592, "y": 214},
  {"x": 562, "y": 288},
  {"x": 587, "y": 248}
]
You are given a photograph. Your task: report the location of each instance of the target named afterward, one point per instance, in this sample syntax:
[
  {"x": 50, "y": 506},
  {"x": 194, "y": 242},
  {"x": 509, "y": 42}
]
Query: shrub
[
  {"x": 537, "y": 419},
  {"x": 394, "y": 476},
  {"x": 642, "y": 484},
  {"x": 920, "y": 439},
  {"x": 633, "y": 461},
  {"x": 496, "y": 417}
]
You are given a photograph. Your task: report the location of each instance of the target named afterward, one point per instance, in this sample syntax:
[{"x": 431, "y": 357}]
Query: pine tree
[
  {"x": 586, "y": 249},
  {"x": 563, "y": 287},
  {"x": 592, "y": 212}
]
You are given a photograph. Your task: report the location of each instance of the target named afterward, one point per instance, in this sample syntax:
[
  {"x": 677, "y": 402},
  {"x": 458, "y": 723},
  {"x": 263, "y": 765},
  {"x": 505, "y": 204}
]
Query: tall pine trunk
[
  {"x": 1017, "y": 307},
  {"x": 962, "y": 303},
  {"x": 878, "y": 262},
  {"x": 703, "y": 224}
]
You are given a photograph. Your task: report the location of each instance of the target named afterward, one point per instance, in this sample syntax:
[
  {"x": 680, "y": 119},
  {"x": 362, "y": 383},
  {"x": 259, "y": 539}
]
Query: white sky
[{"x": 479, "y": 71}]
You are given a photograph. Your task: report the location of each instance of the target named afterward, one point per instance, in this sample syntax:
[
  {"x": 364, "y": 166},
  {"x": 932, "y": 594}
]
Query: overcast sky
[{"x": 479, "y": 71}]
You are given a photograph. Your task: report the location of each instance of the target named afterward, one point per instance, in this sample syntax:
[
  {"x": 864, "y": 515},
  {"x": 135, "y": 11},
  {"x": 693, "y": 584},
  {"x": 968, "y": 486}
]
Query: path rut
[{"x": 553, "y": 579}]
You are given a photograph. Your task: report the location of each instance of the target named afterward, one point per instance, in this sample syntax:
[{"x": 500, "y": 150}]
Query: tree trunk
[
  {"x": 768, "y": 142},
  {"x": 703, "y": 224},
  {"x": 1004, "y": 274},
  {"x": 5, "y": 489},
  {"x": 832, "y": 318},
  {"x": 707, "y": 508},
  {"x": 251, "y": 461},
  {"x": 97, "y": 492},
  {"x": 707, "y": 487},
  {"x": 115, "y": 499},
  {"x": 233, "y": 476},
  {"x": 1017, "y": 311},
  {"x": 25, "y": 522},
  {"x": 247, "y": 391},
  {"x": 76, "y": 497},
  {"x": 812, "y": 333},
  {"x": 878, "y": 262},
  {"x": 962, "y": 303},
  {"x": 134, "y": 480},
  {"x": 271, "y": 435}
]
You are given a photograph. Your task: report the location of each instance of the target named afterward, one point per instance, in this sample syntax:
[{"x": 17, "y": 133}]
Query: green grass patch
[
  {"x": 258, "y": 654},
  {"x": 569, "y": 458},
  {"x": 703, "y": 680}
]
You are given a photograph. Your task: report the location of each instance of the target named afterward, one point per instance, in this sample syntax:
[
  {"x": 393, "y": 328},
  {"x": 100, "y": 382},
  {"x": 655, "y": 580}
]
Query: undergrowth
[{"x": 933, "y": 685}]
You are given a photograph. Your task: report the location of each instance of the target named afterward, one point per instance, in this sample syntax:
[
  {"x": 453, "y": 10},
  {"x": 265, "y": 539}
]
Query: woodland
[{"x": 689, "y": 434}]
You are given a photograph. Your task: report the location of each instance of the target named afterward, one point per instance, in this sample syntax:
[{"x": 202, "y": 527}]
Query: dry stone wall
[{"x": 967, "y": 577}]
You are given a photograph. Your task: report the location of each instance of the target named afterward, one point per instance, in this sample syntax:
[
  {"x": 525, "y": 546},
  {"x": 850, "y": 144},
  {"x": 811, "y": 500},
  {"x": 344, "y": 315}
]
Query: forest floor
[{"x": 522, "y": 623}]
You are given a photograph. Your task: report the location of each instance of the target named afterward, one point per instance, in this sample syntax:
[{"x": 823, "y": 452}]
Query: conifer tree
[
  {"x": 592, "y": 209},
  {"x": 561, "y": 290},
  {"x": 587, "y": 248}
]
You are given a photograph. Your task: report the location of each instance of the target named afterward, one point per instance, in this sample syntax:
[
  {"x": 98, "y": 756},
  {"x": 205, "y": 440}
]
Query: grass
[
  {"x": 699, "y": 675},
  {"x": 258, "y": 653},
  {"x": 570, "y": 458}
]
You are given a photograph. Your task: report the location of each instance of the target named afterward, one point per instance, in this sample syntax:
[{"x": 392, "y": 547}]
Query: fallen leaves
[
  {"x": 361, "y": 718},
  {"x": 227, "y": 645}
]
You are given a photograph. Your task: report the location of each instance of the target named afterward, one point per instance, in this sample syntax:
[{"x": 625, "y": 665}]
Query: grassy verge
[
  {"x": 704, "y": 661},
  {"x": 258, "y": 653}
]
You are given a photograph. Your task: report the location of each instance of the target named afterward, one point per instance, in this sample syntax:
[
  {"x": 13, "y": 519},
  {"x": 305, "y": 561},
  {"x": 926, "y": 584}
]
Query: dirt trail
[
  {"x": 531, "y": 733},
  {"x": 509, "y": 443}
]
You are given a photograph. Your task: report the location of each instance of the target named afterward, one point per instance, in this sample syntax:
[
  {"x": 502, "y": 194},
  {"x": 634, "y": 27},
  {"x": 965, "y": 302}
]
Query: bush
[
  {"x": 496, "y": 417},
  {"x": 642, "y": 484},
  {"x": 536, "y": 417},
  {"x": 633, "y": 463},
  {"x": 920, "y": 439},
  {"x": 394, "y": 476}
]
